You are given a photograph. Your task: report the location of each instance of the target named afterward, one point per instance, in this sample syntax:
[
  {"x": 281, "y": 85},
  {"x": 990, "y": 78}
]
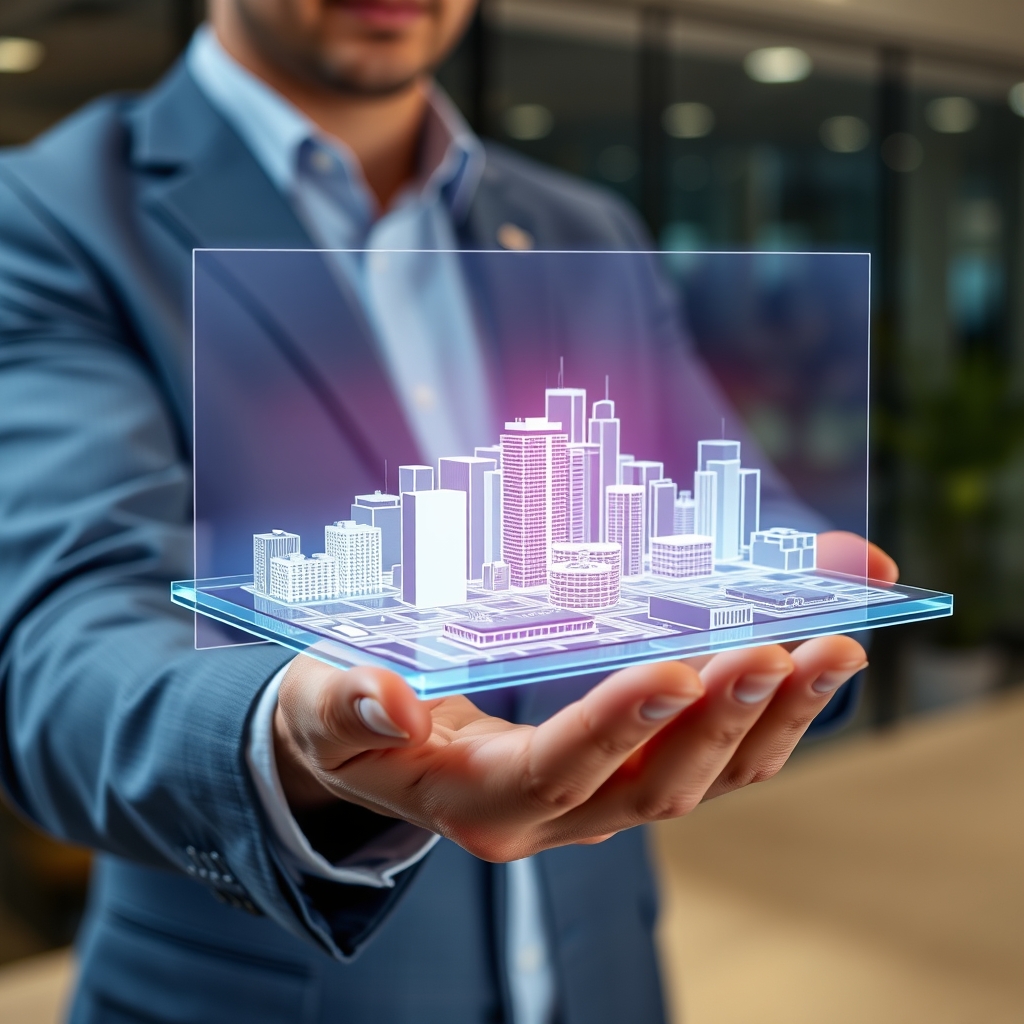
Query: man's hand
[{"x": 650, "y": 742}]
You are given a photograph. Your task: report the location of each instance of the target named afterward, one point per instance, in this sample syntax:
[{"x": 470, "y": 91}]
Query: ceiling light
[
  {"x": 688, "y": 120},
  {"x": 528, "y": 121},
  {"x": 1016, "y": 99},
  {"x": 844, "y": 133},
  {"x": 952, "y": 115},
  {"x": 776, "y": 64},
  {"x": 19, "y": 55}
]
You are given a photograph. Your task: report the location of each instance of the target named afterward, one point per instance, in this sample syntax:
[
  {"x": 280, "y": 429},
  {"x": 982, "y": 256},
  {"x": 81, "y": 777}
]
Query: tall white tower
[
  {"x": 434, "y": 548},
  {"x": 604, "y": 432},
  {"x": 661, "y": 505},
  {"x": 625, "y": 521},
  {"x": 723, "y": 459},
  {"x": 577, "y": 493},
  {"x": 466, "y": 473},
  {"x": 567, "y": 406},
  {"x": 492, "y": 516},
  {"x": 644, "y": 473},
  {"x": 705, "y": 497},
  {"x": 750, "y": 505}
]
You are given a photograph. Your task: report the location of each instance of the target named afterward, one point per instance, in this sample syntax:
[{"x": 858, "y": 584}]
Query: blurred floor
[
  {"x": 880, "y": 879},
  {"x": 35, "y": 991}
]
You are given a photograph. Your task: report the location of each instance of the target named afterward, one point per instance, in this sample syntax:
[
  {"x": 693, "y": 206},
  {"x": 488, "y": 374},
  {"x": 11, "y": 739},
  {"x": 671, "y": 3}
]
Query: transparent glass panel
[{"x": 489, "y": 468}]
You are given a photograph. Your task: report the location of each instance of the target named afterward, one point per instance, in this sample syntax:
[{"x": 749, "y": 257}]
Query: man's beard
[{"x": 316, "y": 69}]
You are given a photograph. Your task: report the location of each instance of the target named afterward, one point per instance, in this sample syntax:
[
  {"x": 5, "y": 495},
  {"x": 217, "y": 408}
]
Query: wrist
[{"x": 302, "y": 787}]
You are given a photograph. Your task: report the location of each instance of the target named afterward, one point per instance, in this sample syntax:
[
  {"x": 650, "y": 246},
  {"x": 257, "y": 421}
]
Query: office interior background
[{"x": 836, "y": 125}]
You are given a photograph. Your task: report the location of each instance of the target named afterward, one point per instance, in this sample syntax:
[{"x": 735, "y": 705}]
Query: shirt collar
[{"x": 275, "y": 131}]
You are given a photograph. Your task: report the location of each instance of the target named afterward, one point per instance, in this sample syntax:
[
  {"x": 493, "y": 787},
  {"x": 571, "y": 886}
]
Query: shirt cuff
[{"x": 374, "y": 864}]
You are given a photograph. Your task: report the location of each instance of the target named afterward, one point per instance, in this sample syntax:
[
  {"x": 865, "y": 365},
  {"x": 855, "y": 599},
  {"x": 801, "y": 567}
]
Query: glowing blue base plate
[{"x": 382, "y": 630}]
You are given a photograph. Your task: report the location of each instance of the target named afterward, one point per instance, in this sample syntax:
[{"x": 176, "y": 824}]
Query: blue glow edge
[{"x": 916, "y": 606}]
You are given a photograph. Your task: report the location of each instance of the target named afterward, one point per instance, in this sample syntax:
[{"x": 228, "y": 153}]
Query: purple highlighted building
[{"x": 519, "y": 627}]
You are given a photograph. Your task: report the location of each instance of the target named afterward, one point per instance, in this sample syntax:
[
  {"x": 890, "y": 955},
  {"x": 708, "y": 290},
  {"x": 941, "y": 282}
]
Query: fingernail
[
  {"x": 751, "y": 689},
  {"x": 376, "y": 719},
  {"x": 829, "y": 681},
  {"x": 659, "y": 708}
]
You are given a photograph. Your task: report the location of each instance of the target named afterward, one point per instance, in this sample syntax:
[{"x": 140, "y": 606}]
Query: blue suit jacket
[{"x": 115, "y": 732}]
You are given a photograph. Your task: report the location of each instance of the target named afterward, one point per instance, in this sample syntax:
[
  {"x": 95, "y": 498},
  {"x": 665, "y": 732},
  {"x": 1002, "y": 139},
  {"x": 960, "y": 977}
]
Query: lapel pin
[{"x": 511, "y": 236}]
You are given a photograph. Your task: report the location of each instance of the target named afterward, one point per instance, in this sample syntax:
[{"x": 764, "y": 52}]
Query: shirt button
[{"x": 528, "y": 959}]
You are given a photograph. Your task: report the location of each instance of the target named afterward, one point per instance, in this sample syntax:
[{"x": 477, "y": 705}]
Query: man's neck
[{"x": 382, "y": 131}]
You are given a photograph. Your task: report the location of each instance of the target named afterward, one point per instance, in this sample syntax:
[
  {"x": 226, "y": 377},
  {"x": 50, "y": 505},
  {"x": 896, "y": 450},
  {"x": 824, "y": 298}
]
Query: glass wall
[{"x": 724, "y": 136}]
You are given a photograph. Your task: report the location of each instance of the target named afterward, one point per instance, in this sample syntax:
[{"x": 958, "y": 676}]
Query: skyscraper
[
  {"x": 385, "y": 512},
  {"x": 466, "y": 473},
  {"x": 567, "y": 406},
  {"x": 643, "y": 473},
  {"x": 750, "y": 505},
  {"x": 434, "y": 548},
  {"x": 723, "y": 459},
  {"x": 624, "y": 461},
  {"x": 356, "y": 547},
  {"x": 577, "y": 491},
  {"x": 415, "y": 478},
  {"x": 591, "y": 492},
  {"x": 492, "y": 451},
  {"x": 265, "y": 546},
  {"x": 534, "y": 497},
  {"x": 604, "y": 432},
  {"x": 661, "y": 504},
  {"x": 296, "y": 578},
  {"x": 686, "y": 513},
  {"x": 492, "y": 516},
  {"x": 625, "y": 521},
  {"x": 705, "y": 496}
]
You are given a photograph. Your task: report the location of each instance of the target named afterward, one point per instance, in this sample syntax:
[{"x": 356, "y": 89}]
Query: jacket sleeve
[{"x": 115, "y": 732}]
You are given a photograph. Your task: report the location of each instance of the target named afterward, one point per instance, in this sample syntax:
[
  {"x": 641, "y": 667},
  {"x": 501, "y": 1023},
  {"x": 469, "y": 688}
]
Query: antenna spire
[
  {"x": 385, "y": 476},
  {"x": 561, "y": 371},
  {"x": 723, "y": 428},
  {"x": 606, "y": 387}
]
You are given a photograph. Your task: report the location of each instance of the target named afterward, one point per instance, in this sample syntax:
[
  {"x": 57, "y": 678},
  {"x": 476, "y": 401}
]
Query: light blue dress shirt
[{"x": 421, "y": 315}]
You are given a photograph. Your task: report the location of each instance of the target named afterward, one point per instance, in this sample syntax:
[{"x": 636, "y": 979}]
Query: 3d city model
[{"x": 550, "y": 539}]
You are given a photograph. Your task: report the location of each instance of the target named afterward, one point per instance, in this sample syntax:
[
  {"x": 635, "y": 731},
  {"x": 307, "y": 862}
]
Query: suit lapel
[{"x": 211, "y": 193}]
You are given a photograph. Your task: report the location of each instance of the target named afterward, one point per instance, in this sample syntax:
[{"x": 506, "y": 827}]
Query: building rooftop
[{"x": 520, "y": 620}]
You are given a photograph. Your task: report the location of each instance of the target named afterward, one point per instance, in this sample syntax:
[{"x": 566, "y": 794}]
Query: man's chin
[{"x": 348, "y": 83}]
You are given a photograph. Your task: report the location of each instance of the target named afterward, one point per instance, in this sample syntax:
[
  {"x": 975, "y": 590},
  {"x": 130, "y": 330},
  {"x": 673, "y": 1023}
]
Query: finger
[
  {"x": 848, "y": 553},
  {"x": 670, "y": 774},
  {"x": 574, "y": 752},
  {"x": 334, "y": 715},
  {"x": 820, "y": 667},
  {"x": 881, "y": 566}
]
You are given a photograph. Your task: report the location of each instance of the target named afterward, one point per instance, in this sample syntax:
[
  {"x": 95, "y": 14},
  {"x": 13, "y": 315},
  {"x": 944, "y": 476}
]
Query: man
[{"x": 307, "y": 800}]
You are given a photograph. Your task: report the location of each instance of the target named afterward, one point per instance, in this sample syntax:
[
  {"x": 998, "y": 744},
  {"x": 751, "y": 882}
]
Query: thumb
[{"x": 330, "y": 716}]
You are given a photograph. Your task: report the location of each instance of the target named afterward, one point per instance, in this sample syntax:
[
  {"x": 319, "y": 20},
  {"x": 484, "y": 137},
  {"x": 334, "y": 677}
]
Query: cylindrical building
[{"x": 582, "y": 584}]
